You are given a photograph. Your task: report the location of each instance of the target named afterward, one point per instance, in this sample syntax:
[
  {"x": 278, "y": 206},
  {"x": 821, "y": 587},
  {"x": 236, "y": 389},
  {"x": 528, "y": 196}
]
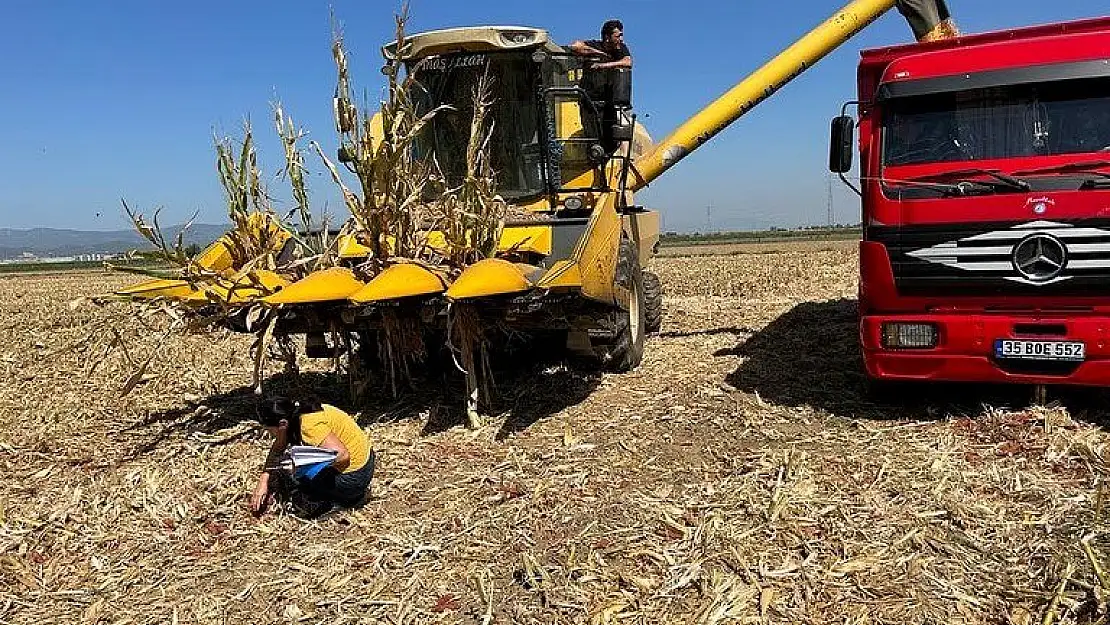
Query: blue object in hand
[{"x": 309, "y": 472}]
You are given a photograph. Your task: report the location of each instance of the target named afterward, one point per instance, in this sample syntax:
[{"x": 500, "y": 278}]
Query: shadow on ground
[
  {"x": 528, "y": 385},
  {"x": 528, "y": 388},
  {"x": 217, "y": 413},
  {"x": 810, "y": 356}
]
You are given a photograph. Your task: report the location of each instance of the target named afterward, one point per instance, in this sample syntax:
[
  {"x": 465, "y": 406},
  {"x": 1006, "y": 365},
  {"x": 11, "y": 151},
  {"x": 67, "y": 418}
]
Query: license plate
[{"x": 1040, "y": 350}]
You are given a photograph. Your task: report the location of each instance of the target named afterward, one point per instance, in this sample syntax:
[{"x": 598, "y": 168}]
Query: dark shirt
[{"x": 620, "y": 53}]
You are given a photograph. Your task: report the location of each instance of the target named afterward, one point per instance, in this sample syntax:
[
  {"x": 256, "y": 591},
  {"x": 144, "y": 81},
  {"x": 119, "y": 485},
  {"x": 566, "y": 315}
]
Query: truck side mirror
[{"x": 840, "y": 144}]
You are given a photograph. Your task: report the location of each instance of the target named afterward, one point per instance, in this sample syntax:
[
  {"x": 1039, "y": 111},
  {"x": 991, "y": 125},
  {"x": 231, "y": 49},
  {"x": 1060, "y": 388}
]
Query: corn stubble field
[{"x": 738, "y": 476}]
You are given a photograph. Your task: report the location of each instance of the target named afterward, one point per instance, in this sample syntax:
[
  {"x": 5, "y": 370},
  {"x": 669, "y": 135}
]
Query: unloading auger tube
[{"x": 929, "y": 19}]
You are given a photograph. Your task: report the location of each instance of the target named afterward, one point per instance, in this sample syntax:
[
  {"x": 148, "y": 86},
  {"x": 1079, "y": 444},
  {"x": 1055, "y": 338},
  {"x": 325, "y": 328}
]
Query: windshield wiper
[
  {"x": 1096, "y": 183},
  {"x": 1001, "y": 180},
  {"x": 963, "y": 187},
  {"x": 1088, "y": 168}
]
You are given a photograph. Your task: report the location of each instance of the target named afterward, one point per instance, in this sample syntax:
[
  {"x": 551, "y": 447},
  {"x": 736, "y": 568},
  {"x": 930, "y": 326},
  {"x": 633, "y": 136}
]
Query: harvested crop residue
[{"x": 738, "y": 476}]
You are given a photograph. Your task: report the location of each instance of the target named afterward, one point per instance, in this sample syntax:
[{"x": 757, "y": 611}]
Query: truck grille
[{"x": 1034, "y": 258}]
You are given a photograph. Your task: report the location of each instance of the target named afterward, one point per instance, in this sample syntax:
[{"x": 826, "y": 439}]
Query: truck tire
[
  {"x": 626, "y": 349},
  {"x": 653, "y": 302}
]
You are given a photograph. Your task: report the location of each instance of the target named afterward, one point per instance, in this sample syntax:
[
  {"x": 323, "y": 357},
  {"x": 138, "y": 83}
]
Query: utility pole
[{"x": 829, "y": 208}]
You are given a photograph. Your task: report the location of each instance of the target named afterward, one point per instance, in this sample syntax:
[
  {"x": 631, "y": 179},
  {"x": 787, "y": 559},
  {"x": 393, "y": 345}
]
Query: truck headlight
[{"x": 898, "y": 335}]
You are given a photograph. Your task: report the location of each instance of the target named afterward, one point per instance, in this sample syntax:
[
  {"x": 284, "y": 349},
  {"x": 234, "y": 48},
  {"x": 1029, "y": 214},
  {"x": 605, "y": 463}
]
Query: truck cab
[{"x": 985, "y": 189}]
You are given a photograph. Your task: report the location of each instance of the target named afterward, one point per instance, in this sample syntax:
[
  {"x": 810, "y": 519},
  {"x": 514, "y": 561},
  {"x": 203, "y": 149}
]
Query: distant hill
[{"x": 45, "y": 242}]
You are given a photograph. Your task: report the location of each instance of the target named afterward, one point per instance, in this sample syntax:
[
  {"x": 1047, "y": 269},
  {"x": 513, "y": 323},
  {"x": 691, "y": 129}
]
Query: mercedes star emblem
[{"x": 1040, "y": 257}]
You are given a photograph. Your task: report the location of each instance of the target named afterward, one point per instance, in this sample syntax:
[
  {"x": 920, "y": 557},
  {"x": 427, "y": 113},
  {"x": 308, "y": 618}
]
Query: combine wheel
[
  {"x": 626, "y": 350},
  {"x": 653, "y": 302}
]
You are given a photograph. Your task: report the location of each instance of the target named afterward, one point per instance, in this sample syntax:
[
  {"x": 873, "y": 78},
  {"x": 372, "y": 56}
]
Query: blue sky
[{"x": 111, "y": 100}]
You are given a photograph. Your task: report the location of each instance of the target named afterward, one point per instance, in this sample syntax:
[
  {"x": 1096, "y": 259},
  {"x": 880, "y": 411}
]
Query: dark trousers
[{"x": 346, "y": 489}]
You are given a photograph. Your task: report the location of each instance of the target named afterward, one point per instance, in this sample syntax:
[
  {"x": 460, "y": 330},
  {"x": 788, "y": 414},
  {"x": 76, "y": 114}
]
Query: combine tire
[
  {"x": 626, "y": 350},
  {"x": 653, "y": 303}
]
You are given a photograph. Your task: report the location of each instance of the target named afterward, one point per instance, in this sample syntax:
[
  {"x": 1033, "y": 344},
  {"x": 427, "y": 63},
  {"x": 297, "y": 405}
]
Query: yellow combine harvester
[{"x": 569, "y": 157}]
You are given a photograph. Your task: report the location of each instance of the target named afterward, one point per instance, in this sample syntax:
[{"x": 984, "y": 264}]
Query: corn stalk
[
  {"x": 253, "y": 236},
  {"x": 312, "y": 241},
  {"x": 398, "y": 198},
  {"x": 378, "y": 149},
  {"x": 168, "y": 251},
  {"x": 473, "y": 214},
  {"x": 467, "y": 340}
]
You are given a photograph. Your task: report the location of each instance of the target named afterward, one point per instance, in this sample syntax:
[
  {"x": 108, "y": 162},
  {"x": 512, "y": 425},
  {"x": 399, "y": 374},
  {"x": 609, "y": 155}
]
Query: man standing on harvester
[
  {"x": 611, "y": 47},
  {"x": 612, "y": 57},
  {"x": 929, "y": 19}
]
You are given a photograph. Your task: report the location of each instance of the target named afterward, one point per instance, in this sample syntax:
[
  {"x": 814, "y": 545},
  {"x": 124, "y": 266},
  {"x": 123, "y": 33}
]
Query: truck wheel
[
  {"x": 626, "y": 350},
  {"x": 653, "y": 302}
]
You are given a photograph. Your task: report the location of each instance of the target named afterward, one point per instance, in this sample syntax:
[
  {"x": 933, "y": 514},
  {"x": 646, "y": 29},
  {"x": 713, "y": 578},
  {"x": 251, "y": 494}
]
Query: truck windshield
[
  {"x": 1013, "y": 121},
  {"x": 515, "y": 144}
]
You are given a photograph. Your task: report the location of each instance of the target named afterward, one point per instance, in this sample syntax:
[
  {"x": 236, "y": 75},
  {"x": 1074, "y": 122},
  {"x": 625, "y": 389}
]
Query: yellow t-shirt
[{"x": 315, "y": 427}]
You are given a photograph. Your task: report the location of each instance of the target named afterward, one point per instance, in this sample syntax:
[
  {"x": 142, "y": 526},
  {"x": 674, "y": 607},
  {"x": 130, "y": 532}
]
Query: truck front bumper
[{"x": 965, "y": 349}]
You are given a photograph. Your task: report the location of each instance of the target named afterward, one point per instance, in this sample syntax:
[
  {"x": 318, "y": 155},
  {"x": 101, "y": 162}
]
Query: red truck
[{"x": 985, "y": 187}]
